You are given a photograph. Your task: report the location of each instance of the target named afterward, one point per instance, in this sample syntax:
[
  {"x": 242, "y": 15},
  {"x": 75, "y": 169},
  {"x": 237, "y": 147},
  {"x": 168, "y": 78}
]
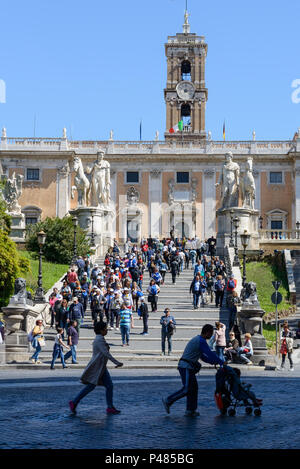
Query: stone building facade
[{"x": 157, "y": 185}]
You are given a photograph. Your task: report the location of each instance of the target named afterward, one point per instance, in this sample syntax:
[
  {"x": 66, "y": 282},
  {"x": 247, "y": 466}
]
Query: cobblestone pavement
[{"x": 34, "y": 412}]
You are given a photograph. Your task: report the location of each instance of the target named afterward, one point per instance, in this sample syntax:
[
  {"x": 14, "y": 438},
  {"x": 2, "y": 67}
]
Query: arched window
[
  {"x": 186, "y": 71},
  {"x": 186, "y": 117}
]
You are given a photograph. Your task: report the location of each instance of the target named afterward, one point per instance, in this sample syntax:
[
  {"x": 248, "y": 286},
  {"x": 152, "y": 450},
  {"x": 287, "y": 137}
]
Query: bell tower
[{"x": 185, "y": 93}]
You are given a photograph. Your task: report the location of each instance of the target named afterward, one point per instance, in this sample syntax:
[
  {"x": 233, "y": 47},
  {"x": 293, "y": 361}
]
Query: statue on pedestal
[
  {"x": 100, "y": 181},
  {"x": 12, "y": 192},
  {"x": 229, "y": 181},
  {"x": 82, "y": 183},
  {"x": 248, "y": 186}
]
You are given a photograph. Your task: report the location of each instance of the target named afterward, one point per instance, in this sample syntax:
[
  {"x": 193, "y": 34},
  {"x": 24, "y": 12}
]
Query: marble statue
[
  {"x": 12, "y": 192},
  {"x": 157, "y": 136},
  {"x": 111, "y": 135},
  {"x": 248, "y": 185},
  {"x": 171, "y": 184},
  {"x": 229, "y": 181},
  {"x": 209, "y": 136},
  {"x": 254, "y": 135},
  {"x": 64, "y": 132},
  {"x": 21, "y": 295},
  {"x": 100, "y": 181},
  {"x": 249, "y": 294},
  {"x": 82, "y": 183}
]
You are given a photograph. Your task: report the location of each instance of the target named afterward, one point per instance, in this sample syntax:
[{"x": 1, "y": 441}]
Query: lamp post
[
  {"x": 92, "y": 233},
  {"x": 231, "y": 243},
  {"x": 298, "y": 227},
  {"x": 75, "y": 223},
  {"x": 236, "y": 224},
  {"x": 39, "y": 296},
  {"x": 245, "y": 238}
]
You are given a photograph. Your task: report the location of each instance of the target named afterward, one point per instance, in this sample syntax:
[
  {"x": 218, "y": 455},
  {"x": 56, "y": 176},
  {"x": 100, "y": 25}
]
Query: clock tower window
[
  {"x": 186, "y": 71},
  {"x": 186, "y": 117}
]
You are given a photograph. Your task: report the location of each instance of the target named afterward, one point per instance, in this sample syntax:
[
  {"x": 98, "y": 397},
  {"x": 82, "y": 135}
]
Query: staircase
[{"x": 145, "y": 351}]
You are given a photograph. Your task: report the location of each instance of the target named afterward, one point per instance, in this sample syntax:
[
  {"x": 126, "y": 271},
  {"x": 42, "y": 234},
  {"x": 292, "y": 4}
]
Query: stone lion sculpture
[
  {"x": 249, "y": 294},
  {"x": 21, "y": 295}
]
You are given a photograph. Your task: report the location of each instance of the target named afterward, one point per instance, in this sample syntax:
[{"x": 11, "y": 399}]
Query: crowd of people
[{"x": 116, "y": 290}]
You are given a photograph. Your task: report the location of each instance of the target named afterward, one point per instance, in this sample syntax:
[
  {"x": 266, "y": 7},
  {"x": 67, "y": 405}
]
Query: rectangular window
[
  {"x": 182, "y": 177},
  {"x": 275, "y": 177},
  {"x": 132, "y": 177},
  {"x": 276, "y": 225},
  {"x": 33, "y": 174},
  {"x": 31, "y": 220}
]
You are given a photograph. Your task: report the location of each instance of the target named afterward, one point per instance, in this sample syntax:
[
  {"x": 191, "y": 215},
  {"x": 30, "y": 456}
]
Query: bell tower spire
[{"x": 185, "y": 92}]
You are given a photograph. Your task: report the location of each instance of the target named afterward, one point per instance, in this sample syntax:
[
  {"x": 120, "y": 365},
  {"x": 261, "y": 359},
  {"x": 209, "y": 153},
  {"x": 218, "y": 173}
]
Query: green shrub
[{"x": 59, "y": 242}]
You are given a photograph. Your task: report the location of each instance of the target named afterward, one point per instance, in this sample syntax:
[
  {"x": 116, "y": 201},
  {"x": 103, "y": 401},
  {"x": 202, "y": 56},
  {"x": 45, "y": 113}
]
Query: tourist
[
  {"x": 210, "y": 282},
  {"x": 144, "y": 315},
  {"x": 58, "y": 348},
  {"x": 153, "y": 291},
  {"x": 115, "y": 309},
  {"x": 66, "y": 291},
  {"x": 195, "y": 289},
  {"x": 219, "y": 290},
  {"x": 76, "y": 313},
  {"x": 167, "y": 331},
  {"x": 72, "y": 342},
  {"x": 85, "y": 290},
  {"x": 188, "y": 366},
  {"x": 126, "y": 322},
  {"x": 286, "y": 349},
  {"x": 246, "y": 351},
  {"x": 220, "y": 339},
  {"x": 72, "y": 278},
  {"x": 62, "y": 316},
  {"x": 232, "y": 346},
  {"x": 96, "y": 373},
  {"x": 174, "y": 269},
  {"x": 97, "y": 305},
  {"x": 157, "y": 276},
  {"x": 38, "y": 340},
  {"x": 233, "y": 302}
]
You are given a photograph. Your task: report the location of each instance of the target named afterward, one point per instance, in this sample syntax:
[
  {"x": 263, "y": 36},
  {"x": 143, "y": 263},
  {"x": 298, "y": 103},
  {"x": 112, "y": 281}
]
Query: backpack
[
  {"x": 231, "y": 284},
  {"x": 218, "y": 285},
  {"x": 171, "y": 328},
  {"x": 30, "y": 336}
]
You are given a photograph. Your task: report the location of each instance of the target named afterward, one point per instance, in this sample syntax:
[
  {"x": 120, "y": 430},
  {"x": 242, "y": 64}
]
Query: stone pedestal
[
  {"x": 16, "y": 342},
  {"x": 102, "y": 224},
  {"x": 248, "y": 221},
  {"x": 250, "y": 320},
  {"x": 17, "y": 227}
]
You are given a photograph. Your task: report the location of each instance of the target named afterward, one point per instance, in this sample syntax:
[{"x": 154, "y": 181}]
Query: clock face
[{"x": 185, "y": 90}]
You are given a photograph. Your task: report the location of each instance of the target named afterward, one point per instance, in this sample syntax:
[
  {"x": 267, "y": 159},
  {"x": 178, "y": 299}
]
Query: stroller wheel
[
  {"x": 231, "y": 412},
  {"x": 257, "y": 412},
  {"x": 223, "y": 411},
  {"x": 248, "y": 410}
]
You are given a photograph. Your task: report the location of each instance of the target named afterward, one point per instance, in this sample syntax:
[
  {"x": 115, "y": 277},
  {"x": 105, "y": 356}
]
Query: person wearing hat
[
  {"x": 144, "y": 315},
  {"x": 85, "y": 289},
  {"x": 246, "y": 351},
  {"x": 75, "y": 313},
  {"x": 97, "y": 305},
  {"x": 94, "y": 274}
]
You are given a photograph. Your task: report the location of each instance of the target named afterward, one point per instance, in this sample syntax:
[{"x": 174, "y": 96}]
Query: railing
[{"x": 279, "y": 235}]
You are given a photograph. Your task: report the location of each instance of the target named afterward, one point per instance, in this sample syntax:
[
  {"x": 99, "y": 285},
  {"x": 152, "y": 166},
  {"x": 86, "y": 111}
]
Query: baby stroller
[{"x": 231, "y": 393}]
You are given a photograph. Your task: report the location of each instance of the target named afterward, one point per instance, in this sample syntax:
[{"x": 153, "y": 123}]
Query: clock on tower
[{"x": 185, "y": 93}]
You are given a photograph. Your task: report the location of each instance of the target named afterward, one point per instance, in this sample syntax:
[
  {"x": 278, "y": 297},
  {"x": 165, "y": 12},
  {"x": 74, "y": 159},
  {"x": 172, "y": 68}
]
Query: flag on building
[
  {"x": 177, "y": 128},
  {"x": 224, "y": 131}
]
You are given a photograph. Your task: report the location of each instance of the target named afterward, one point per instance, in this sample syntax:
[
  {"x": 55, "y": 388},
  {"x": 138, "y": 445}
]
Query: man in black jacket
[{"x": 144, "y": 314}]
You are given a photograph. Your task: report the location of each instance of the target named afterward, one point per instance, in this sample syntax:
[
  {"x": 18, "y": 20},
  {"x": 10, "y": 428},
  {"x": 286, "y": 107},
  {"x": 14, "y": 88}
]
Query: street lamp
[
  {"x": 245, "y": 238},
  {"x": 236, "y": 224},
  {"x": 75, "y": 223},
  {"x": 39, "y": 294},
  {"x": 231, "y": 243},
  {"x": 92, "y": 233},
  {"x": 298, "y": 227}
]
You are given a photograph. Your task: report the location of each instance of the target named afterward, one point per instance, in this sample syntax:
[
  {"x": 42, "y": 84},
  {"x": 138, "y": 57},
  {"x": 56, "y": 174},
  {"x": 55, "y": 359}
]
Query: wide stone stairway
[{"x": 145, "y": 351}]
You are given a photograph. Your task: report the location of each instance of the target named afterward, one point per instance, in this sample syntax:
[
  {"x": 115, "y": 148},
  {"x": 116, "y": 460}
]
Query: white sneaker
[{"x": 292, "y": 368}]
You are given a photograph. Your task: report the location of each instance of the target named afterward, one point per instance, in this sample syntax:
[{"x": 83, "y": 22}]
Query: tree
[{"x": 59, "y": 242}]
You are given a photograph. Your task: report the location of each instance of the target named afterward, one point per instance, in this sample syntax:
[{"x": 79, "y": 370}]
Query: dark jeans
[
  {"x": 114, "y": 314},
  {"x": 219, "y": 298},
  {"x": 107, "y": 382},
  {"x": 164, "y": 336},
  {"x": 125, "y": 331},
  {"x": 145, "y": 322},
  {"x": 196, "y": 297},
  {"x": 189, "y": 389},
  {"x": 289, "y": 357},
  {"x": 58, "y": 352}
]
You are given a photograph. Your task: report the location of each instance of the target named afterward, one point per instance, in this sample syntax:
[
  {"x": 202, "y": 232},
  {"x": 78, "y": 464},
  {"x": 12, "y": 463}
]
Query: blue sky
[{"x": 92, "y": 66}]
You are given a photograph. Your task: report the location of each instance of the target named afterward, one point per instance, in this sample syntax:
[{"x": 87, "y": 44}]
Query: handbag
[
  {"x": 150, "y": 298},
  {"x": 42, "y": 342}
]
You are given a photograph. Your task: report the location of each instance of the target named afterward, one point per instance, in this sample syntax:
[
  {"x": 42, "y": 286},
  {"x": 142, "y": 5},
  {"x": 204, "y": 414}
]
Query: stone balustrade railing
[
  {"x": 157, "y": 146},
  {"x": 279, "y": 235}
]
